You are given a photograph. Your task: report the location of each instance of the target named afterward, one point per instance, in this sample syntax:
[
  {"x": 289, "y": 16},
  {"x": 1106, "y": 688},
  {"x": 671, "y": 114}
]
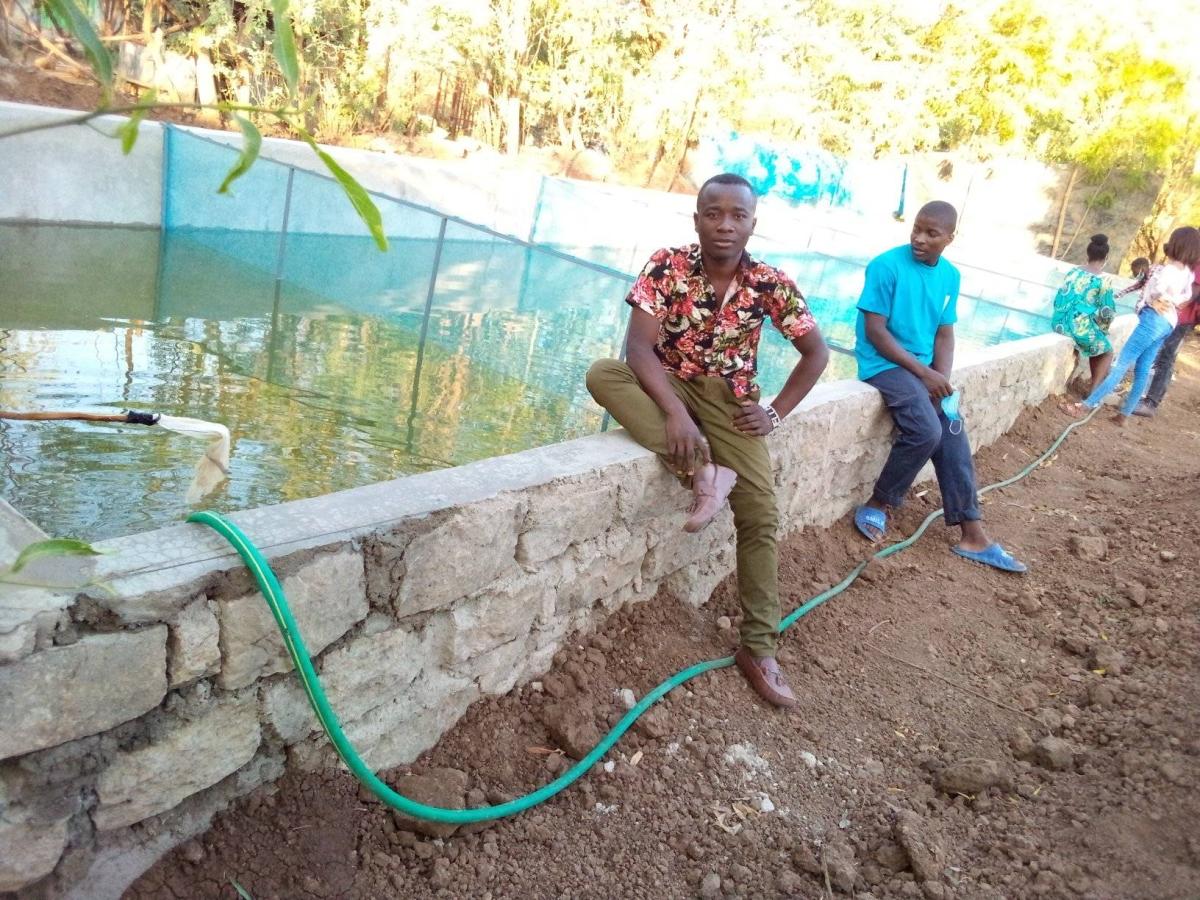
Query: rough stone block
[
  {"x": 194, "y": 645},
  {"x": 562, "y": 514},
  {"x": 647, "y": 490},
  {"x": 64, "y": 693},
  {"x": 672, "y": 549},
  {"x": 695, "y": 583},
  {"x": 373, "y": 684},
  {"x": 27, "y": 610},
  {"x": 499, "y": 614},
  {"x": 388, "y": 736},
  {"x": 388, "y": 740},
  {"x": 499, "y": 670},
  {"x": 17, "y": 643},
  {"x": 120, "y": 856},
  {"x": 191, "y": 757},
  {"x": 29, "y": 851},
  {"x": 602, "y": 566},
  {"x": 474, "y": 546},
  {"x": 327, "y": 596},
  {"x": 147, "y": 606}
]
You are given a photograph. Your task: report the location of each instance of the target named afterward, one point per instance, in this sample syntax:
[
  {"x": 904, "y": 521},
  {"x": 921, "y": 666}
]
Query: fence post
[
  {"x": 416, "y": 385},
  {"x": 283, "y": 228},
  {"x": 164, "y": 218}
]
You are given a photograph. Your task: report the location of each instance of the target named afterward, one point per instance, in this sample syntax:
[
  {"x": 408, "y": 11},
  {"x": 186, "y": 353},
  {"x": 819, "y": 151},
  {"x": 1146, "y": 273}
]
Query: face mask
[{"x": 950, "y": 408}]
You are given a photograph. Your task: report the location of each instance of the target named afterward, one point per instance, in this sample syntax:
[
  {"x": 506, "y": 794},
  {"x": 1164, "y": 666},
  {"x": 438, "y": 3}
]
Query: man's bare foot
[
  {"x": 710, "y": 488},
  {"x": 1075, "y": 410},
  {"x": 974, "y": 538}
]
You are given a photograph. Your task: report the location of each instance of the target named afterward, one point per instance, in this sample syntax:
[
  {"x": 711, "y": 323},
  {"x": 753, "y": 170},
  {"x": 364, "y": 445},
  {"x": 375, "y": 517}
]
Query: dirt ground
[
  {"x": 70, "y": 90},
  {"x": 962, "y": 733}
]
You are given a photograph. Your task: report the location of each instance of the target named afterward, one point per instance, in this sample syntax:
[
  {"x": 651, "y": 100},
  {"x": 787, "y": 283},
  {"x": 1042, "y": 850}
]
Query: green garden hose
[{"x": 269, "y": 585}]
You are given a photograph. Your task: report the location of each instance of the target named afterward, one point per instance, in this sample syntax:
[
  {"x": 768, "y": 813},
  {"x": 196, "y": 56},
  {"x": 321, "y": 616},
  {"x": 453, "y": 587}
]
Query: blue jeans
[
  {"x": 1139, "y": 351},
  {"x": 1164, "y": 364},
  {"x": 924, "y": 435}
]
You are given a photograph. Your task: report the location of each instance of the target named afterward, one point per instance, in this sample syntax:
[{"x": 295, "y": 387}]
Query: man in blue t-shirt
[{"x": 905, "y": 350}]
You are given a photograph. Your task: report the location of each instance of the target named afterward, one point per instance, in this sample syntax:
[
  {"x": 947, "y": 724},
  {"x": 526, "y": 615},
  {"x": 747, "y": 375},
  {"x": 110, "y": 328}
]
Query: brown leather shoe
[
  {"x": 764, "y": 676},
  {"x": 711, "y": 485}
]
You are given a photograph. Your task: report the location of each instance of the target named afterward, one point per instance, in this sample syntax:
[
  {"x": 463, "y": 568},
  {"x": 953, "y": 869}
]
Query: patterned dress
[{"x": 1083, "y": 310}]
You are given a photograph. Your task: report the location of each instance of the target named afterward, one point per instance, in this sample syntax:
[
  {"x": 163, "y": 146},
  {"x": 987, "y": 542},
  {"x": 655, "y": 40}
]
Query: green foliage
[
  {"x": 1105, "y": 89},
  {"x": 285, "y": 45},
  {"x": 48, "y": 549},
  {"x": 128, "y": 133},
  {"x": 51, "y": 548},
  {"x": 251, "y": 142},
  {"x": 68, "y": 16},
  {"x": 357, "y": 195}
]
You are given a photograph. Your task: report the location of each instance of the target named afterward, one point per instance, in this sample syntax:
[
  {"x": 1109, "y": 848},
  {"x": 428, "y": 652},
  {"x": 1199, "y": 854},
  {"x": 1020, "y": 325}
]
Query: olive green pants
[{"x": 755, "y": 515}]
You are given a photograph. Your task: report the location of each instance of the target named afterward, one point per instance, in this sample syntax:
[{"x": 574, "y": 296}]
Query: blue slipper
[
  {"x": 871, "y": 523},
  {"x": 995, "y": 556}
]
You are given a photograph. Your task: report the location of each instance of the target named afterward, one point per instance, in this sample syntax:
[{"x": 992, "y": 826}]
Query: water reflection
[{"x": 323, "y": 381}]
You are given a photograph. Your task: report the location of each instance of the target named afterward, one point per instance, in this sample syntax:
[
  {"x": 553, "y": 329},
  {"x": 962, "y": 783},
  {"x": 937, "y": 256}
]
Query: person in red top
[
  {"x": 1164, "y": 363},
  {"x": 687, "y": 392}
]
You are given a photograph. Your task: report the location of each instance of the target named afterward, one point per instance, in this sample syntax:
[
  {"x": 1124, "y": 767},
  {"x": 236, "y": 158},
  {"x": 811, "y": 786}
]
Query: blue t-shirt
[{"x": 914, "y": 298}]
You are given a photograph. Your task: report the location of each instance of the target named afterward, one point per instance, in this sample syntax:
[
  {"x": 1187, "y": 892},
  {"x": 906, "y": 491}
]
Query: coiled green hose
[{"x": 269, "y": 585}]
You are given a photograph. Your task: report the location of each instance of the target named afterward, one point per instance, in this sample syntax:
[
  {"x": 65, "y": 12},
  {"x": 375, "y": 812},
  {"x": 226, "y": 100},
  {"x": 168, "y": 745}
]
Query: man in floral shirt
[{"x": 688, "y": 394}]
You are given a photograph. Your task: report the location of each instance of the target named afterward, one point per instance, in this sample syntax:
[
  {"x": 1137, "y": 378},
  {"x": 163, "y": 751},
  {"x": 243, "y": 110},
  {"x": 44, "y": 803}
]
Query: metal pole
[
  {"x": 164, "y": 219},
  {"x": 416, "y": 385},
  {"x": 272, "y": 336}
]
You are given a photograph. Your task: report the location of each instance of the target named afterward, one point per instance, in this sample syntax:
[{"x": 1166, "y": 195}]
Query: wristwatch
[{"x": 775, "y": 418}]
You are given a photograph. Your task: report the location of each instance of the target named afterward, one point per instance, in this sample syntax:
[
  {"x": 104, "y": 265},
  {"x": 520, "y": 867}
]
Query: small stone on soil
[
  {"x": 1053, "y": 753},
  {"x": 971, "y": 776}
]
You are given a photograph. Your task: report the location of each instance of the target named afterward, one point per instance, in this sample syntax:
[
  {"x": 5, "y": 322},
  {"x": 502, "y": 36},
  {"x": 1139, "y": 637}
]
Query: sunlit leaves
[
  {"x": 285, "y": 46},
  {"x": 128, "y": 133},
  {"x": 251, "y": 142},
  {"x": 68, "y": 15},
  {"x": 355, "y": 193}
]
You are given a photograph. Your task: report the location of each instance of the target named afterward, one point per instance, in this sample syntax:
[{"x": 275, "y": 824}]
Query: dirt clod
[
  {"x": 1053, "y": 753},
  {"x": 1106, "y": 657},
  {"x": 925, "y": 855},
  {"x": 572, "y": 727},
  {"x": 838, "y": 859},
  {"x": 971, "y": 776},
  {"x": 438, "y": 787},
  {"x": 1089, "y": 547}
]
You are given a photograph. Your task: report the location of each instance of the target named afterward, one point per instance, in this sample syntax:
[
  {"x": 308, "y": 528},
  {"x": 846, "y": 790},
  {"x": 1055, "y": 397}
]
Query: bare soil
[
  {"x": 962, "y": 733},
  {"x": 70, "y": 90}
]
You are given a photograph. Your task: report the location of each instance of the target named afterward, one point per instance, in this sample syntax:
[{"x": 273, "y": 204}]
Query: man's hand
[
  {"x": 685, "y": 443},
  {"x": 936, "y": 383},
  {"x": 752, "y": 419}
]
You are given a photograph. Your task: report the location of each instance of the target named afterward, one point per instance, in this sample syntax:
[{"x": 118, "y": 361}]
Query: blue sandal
[
  {"x": 995, "y": 556},
  {"x": 871, "y": 523}
]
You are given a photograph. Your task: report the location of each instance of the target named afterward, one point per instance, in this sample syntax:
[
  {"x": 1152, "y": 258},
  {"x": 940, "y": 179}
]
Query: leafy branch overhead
[{"x": 68, "y": 15}]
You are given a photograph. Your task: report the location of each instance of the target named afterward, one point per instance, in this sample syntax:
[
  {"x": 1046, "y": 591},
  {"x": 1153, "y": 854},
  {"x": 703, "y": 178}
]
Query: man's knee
[
  {"x": 923, "y": 434},
  {"x": 602, "y": 374},
  {"x": 754, "y": 510}
]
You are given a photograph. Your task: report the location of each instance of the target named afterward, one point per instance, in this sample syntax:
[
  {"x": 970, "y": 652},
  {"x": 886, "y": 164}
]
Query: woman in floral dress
[{"x": 1083, "y": 310}]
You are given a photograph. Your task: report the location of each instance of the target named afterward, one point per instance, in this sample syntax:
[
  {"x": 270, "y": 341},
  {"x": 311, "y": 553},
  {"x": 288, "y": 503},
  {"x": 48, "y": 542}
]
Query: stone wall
[{"x": 132, "y": 715}]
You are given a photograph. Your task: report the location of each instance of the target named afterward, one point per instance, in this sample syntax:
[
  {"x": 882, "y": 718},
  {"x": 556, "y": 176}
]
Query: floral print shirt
[{"x": 702, "y": 336}]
